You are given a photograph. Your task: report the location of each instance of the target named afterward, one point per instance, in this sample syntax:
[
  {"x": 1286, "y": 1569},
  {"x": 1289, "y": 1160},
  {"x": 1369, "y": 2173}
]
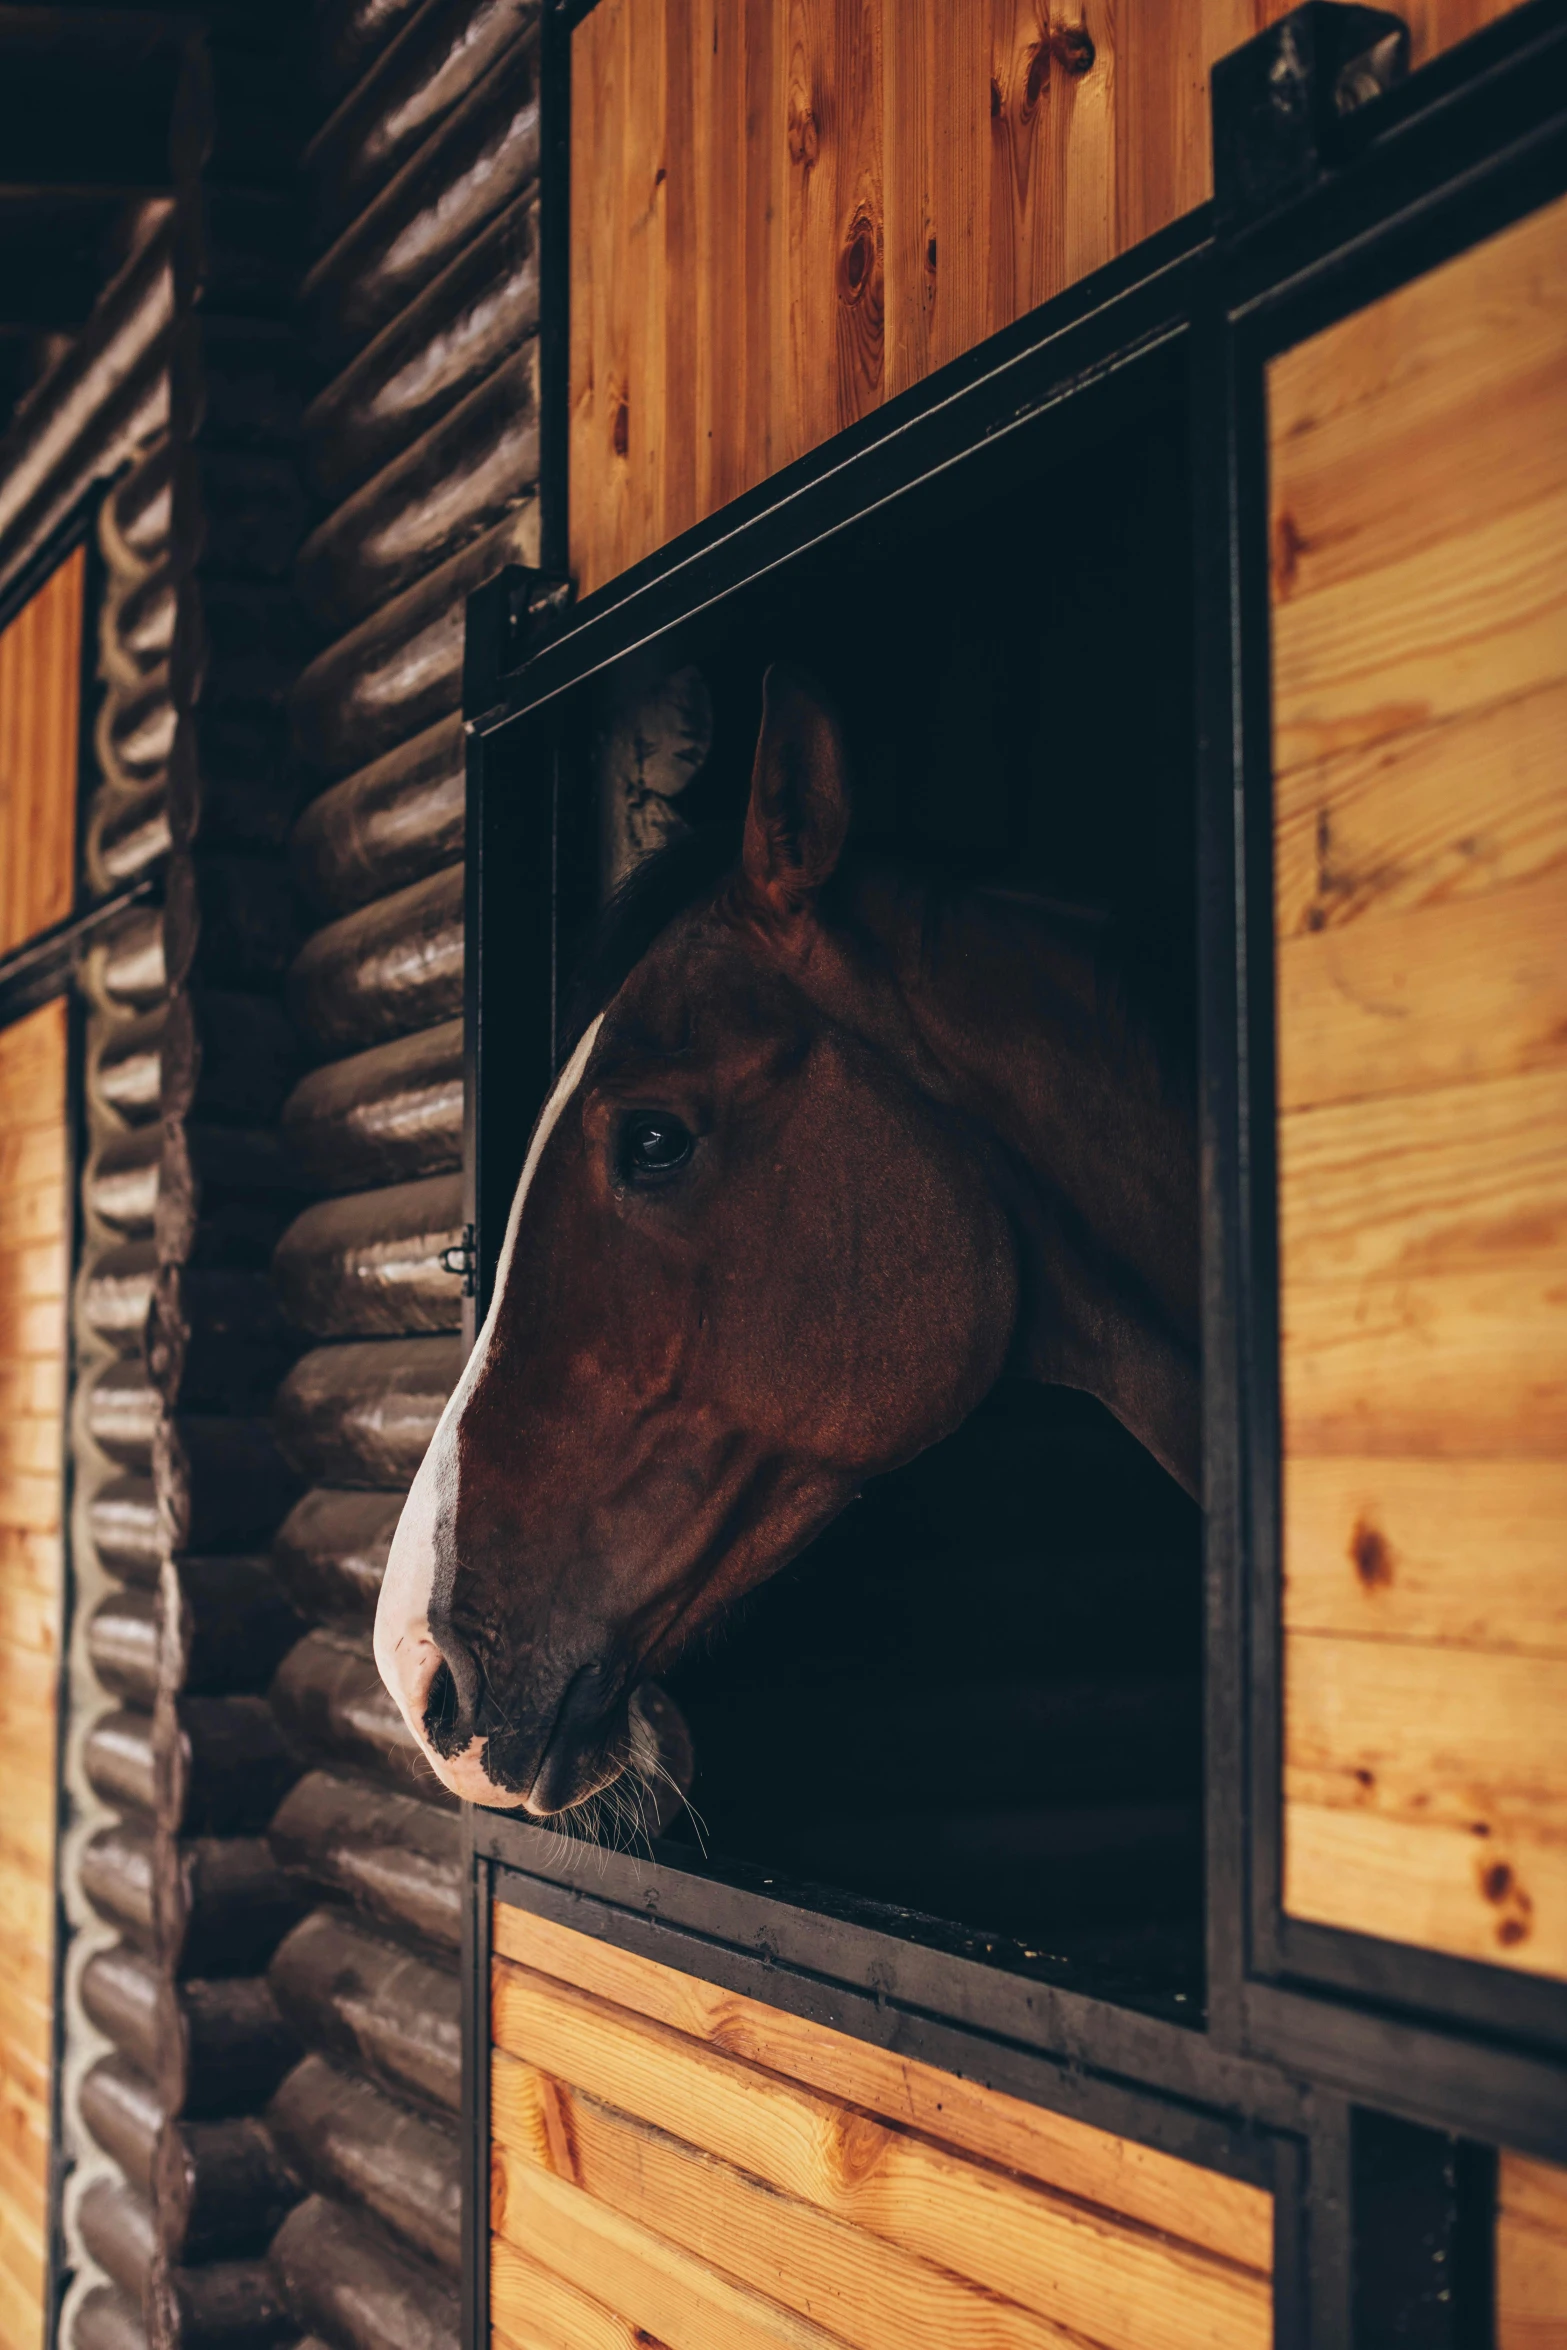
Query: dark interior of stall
[{"x": 971, "y": 1711}]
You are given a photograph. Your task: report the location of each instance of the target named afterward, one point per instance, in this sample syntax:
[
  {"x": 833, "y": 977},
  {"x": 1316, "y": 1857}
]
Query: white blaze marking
[{"x": 405, "y": 1653}]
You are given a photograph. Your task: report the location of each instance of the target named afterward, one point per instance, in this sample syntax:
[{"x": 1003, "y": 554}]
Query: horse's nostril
[{"x": 443, "y": 1713}]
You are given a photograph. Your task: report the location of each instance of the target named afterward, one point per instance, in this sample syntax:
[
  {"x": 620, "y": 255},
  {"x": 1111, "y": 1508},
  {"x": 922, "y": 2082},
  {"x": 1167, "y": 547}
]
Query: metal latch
[{"x": 463, "y": 1257}]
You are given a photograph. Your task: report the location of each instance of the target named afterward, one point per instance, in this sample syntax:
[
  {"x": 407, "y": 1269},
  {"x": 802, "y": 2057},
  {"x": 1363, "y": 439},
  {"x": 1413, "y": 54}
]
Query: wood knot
[
  {"x": 804, "y": 137},
  {"x": 620, "y": 431},
  {"x": 1499, "y": 1885},
  {"x": 858, "y": 2145},
  {"x": 1289, "y": 544},
  {"x": 995, "y": 98},
  {"x": 1071, "y": 47},
  {"x": 857, "y": 261},
  {"x": 1372, "y": 1555}
]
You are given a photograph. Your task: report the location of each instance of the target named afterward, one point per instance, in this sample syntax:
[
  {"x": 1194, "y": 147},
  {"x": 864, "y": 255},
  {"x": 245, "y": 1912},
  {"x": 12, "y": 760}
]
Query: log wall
[
  {"x": 419, "y": 449},
  {"x": 34, "y": 1248},
  {"x": 1419, "y": 455},
  {"x": 784, "y": 214},
  {"x": 677, "y": 2163},
  {"x": 176, "y": 1762}
]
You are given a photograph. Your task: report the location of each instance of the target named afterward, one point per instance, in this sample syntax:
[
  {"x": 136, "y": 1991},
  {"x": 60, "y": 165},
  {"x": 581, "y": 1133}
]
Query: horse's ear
[{"x": 798, "y": 819}]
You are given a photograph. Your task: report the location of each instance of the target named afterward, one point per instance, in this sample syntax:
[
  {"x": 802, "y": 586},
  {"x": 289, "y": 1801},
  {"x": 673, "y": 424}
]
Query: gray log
[
  {"x": 346, "y": 38},
  {"x": 473, "y": 466},
  {"x": 117, "y": 1758},
  {"x": 125, "y": 1073},
  {"x": 371, "y": 1265},
  {"x": 374, "y": 2005},
  {"x": 219, "y": 2188},
  {"x": 232, "y": 784},
  {"x": 343, "y": 2276},
  {"x": 116, "y": 1871},
  {"x": 139, "y": 507},
  {"x": 131, "y": 971},
  {"x": 225, "y": 1625},
  {"x": 237, "y": 647},
  {"x": 121, "y": 1409},
  {"x": 246, "y": 505},
  {"x": 220, "y": 2047},
  {"x": 122, "y": 1642},
  {"x": 220, "y": 1765},
  {"x": 229, "y": 2305},
  {"x": 226, "y": 1057},
  {"x": 240, "y": 381},
  {"x": 391, "y": 967},
  {"x": 399, "y": 1860},
  {"x": 220, "y": 1904},
  {"x": 364, "y": 1414},
  {"x": 411, "y": 88},
  {"x": 136, "y": 730},
  {"x": 350, "y": 2140},
  {"x": 222, "y": 1484},
  {"x": 400, "y": 670},
  {"x": 116, "y": 2226},
  {"x": 106, "y": 2319},
  {"x": 330, "y": 1553},
  {"x": 121, "y": 1183},
  {"x": 334, "y": 1708},
  {"x": 395, "y": 821},
  {"x": 124, "y": 2113},
  {"x": 484, "y": 154},
  {"x": 116, "y": 1292},
  {"x": 479, "y": 310},
  {"x": 382, "y": 1116},
  {"x": 120, "y": 1994},
  {"x": 143, "y": 618},
  {"x": 225, "y": 1193},
  {"x": 122, "y": 1518},
  {"x": 130, "y": 834}
]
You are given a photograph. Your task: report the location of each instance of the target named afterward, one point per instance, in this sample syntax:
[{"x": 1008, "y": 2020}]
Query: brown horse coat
[{"x": 841, "y": 1149}]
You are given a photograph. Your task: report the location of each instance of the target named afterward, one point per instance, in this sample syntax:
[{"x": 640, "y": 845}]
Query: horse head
[{"x": 757, "y": 1255}]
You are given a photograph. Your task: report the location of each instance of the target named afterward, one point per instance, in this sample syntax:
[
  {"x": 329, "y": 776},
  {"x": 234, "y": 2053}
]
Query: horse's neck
[{"x": 1012, "y": 1022}]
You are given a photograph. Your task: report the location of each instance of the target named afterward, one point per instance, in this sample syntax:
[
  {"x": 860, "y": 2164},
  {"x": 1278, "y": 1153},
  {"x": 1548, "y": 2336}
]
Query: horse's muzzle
[{"x": 583, "y": 1747}]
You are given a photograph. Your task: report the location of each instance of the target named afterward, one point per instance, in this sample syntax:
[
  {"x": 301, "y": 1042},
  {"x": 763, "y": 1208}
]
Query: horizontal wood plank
[
  {"x": 533, "y": 2309},
  {"x": 1460, "y": 1178},
  {"x": 1055, "y": 2257},
  {"x": 1439, "y": 813},
  {"x": 1223, "y": 2215},
  {"x": 1475, "y": 989},
  {"x": 1470, "y": 1365},
  {"x": 1464, "y": 1553},
  {"x": 863, "y": 2290},
  {"x": 634, "y": 2270},
  {"x": 1436, "y": 1887}
]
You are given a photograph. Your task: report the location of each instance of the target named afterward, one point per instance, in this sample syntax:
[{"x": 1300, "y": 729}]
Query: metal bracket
[
  {"x": 1282, "y": 104},
  {"x": 509, "y": 617},
  {"x": 463, "y": 1257}
]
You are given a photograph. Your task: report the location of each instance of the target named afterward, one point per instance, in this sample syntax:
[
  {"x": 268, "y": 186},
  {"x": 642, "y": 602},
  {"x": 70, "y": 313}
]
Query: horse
[{"x": 848, "y": 1141}]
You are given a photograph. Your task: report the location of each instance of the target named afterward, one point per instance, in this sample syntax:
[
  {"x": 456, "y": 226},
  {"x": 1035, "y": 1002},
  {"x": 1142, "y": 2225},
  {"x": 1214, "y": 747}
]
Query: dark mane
[
  {"x": 1141, "y": 973},
  {"x": 653, "y": 894}
]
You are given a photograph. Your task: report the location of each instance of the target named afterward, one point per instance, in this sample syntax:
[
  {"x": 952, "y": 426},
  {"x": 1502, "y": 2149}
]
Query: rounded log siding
[{"x": 424, "y": 451}]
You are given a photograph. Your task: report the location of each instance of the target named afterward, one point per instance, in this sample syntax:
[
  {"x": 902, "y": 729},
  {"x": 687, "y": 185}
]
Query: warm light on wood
[
  {"x": 1419, "y": 536},
  {"x": 657, "y": 2136},
  {"x": 33, "y": 1278},
  {"x": 1531, "y": 2255},
  {"x": 40, "y": 702}
]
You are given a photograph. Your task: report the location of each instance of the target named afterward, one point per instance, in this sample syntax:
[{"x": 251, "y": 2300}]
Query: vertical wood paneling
[
  {"x": 33, "y": 1274},
  {"x": 1419, "y": 486},
  {"x": 40, "y": 694},
  {"x": 786, "y": 211}
]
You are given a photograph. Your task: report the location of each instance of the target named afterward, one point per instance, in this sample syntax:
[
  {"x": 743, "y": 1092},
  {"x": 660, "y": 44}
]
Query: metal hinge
[{"x": 463, "y": 1257}]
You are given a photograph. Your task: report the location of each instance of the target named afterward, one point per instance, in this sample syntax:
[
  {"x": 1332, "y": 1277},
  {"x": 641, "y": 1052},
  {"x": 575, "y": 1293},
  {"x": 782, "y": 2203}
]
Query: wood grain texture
[
  {"x": 1531, "y": 2255},
  {"x": 787, "y": 211},
  {"x": 652, "y": 2130},
  {"x": 940, "y": 2213},
  {"x": 1419, "y": 496},
  {"x": 1222, "y": 2215},
  {"x": 32, "y": 1364},
  {"x": 40, "y": 700}
]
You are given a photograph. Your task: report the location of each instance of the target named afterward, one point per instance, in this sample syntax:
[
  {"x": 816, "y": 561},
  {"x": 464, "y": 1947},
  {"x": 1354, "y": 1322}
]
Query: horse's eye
[{"x": 655, "y": 1144}]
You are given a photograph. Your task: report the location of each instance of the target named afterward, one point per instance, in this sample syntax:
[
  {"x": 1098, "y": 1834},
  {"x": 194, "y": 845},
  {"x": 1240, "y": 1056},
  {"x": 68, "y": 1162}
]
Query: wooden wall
[
  {"x": 1531, "y": 2255},
  {"x": 675, "y": 2163},
  {"x": 787, "y": 211},
  {"x": 40, "y": 695},
  {"x": 1419, "y": 518},
  {"x": 33, "y": 1275}
]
